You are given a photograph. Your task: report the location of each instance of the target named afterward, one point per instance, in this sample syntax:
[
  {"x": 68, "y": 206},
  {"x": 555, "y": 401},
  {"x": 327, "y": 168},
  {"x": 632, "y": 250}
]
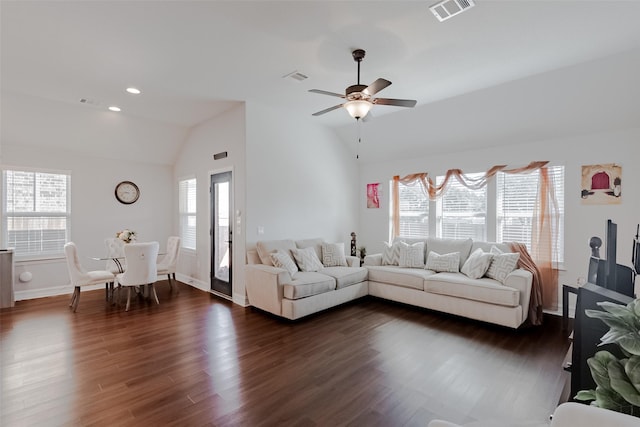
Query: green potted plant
[{"x": 617, "y": 380}]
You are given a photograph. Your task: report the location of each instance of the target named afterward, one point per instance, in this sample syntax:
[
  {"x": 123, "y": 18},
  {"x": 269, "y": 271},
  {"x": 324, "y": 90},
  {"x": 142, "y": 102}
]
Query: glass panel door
[{"x": 221, "y": 234}]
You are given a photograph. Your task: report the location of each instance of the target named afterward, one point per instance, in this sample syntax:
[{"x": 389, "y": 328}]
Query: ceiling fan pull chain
[{"x": 359, "y": 139}]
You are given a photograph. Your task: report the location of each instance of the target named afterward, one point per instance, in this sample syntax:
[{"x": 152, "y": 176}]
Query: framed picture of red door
[{"x": 601, "y": 184}]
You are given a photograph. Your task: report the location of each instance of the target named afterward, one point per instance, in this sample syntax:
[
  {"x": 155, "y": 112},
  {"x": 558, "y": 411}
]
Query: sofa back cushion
[
  {"x": 447, "y": 246},
  {"x": 409, "y": 240},
  {"x": 315, "y": 243},
  {"x": 486, "y": 246},
  {"x": 266, "y": 247}
]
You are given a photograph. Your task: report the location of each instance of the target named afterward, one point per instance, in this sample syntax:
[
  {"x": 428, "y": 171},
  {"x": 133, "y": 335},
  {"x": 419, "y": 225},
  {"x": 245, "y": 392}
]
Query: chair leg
[
  {"x": 76, "y": 299},
  {"x": 153, "y": 291},
  {"x": 175, "y": 283},
  {"x": 73, "y": 296},
  {"x": 128, "y": 298},
  {"x": 170, "y": 282}
]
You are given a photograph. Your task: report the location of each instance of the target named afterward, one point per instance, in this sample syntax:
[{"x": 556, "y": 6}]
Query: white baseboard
[
  {"x": 204, "y": 286},
  {"x": 198, "y": 284},
  {"x": 68, "y": 290},
  {"x": 50, "y": 292}
]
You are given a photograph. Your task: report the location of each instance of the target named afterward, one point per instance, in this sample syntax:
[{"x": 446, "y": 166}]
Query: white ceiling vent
[
  {"x": 295, "y": 75},
  {"x": 449, "y": 8}
]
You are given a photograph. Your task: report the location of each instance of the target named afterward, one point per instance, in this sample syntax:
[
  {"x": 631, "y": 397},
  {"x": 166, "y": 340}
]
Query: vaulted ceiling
[{"x": 501, "y": 71}]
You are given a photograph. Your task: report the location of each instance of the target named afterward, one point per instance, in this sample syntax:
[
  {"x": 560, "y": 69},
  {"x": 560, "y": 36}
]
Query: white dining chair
[
  {"x": 80, "y": 277},
  {"x": 141, "y": 259},
  {"x": 168, "y": 264},
  {"x": 115, "y": 251}
]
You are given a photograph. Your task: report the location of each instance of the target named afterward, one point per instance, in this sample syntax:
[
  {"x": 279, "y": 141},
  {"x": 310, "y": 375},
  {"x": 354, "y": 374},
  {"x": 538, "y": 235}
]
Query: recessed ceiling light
[
  {"x": 114, "y": 108},
  {"x": 134, "y": 90}
]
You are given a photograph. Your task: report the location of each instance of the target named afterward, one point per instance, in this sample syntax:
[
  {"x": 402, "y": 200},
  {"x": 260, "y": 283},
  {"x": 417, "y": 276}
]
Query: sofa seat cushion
[
  {"x": 399, "y": 276},
  {"x": 346, "y": 276},
  {"x": 308, "y": 283},
  {"x": 484, "y": 289}
]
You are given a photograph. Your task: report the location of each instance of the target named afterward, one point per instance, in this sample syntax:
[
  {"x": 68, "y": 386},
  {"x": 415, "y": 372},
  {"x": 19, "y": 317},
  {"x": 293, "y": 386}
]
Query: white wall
[
  {"x": 302, "y": 182},
  {"x": 225, "y": 132},
  {"x": 95, "y": 212},
  {"x": 582, "y": 222}
]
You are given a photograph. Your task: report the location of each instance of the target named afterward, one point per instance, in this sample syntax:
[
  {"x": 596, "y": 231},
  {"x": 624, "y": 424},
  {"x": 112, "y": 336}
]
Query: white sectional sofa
[
  {"x": 295, "y": 294},
  {"x": 501, "y": 302},
  {"x": 298, "y": 294}
]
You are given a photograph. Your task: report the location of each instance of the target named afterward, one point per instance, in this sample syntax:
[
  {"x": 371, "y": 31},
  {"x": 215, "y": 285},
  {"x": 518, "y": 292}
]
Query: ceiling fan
[{"x": 360, "y": 97}]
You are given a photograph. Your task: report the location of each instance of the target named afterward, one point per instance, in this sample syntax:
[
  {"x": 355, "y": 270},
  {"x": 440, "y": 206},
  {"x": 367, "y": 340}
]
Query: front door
[{"x": 221, "y": 233}]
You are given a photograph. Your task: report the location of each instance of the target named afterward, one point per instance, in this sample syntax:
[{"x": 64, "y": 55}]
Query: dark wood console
[{"x": 587, "y": 333}]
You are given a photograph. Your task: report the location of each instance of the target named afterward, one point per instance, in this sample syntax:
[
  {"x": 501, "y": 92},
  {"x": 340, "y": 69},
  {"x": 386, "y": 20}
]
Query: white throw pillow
[
  {"x": 333, "y": 255},
  {"x": 477, "y": 264},
  {"x": 282, "y": 259},
  {"x": 307, "y": 259},
  {"x": 391, "y": 254},
  {"x": 411, "y": 255},
  {"x": 502, "y": 264},
  {"x": 443, "y": 263}
]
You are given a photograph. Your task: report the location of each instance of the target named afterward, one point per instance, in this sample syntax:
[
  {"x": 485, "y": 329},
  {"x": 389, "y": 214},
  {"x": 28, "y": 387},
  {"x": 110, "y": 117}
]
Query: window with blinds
[
  {"x": 414, "y": 211},
  {"x": 187, "y": 212},
  {"x": 36, "y": 212},
  {"x": 461, "y": 212},
  {"x": 516, "y": 202}
]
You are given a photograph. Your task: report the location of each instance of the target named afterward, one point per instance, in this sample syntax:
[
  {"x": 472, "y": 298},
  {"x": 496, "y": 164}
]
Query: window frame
[
  {"x": 439, "y": 203},
  {"x": 184, "y": 215},
  {"x": 5, "y": 215},
  {"x": 492, "y": 214}
]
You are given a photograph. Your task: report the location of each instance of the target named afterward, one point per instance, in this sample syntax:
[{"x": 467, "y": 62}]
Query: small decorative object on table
[
  {"x": 353, "y": 243},
  {"x": 363, "y": 253},
  {"x": 127, "y": 236}
]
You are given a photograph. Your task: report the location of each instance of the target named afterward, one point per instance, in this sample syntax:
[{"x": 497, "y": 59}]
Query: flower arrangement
[{"x": 126, "y": 235}]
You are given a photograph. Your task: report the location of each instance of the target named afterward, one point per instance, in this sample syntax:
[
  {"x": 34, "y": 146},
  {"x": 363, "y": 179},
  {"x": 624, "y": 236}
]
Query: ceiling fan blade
[
  {"x": 376, "y": 87},
  {"x": 396, "y": 102},
  {"x": 324, "y": 92},
  {"x": 335, "y": 107}
]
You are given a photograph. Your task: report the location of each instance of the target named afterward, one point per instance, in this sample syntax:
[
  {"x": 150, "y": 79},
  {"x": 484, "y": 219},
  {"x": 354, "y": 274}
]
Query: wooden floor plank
[{"x": 199, "y": 360}]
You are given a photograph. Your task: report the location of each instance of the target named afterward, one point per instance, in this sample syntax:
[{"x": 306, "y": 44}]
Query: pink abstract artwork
[{"x": 373, "y": 199}]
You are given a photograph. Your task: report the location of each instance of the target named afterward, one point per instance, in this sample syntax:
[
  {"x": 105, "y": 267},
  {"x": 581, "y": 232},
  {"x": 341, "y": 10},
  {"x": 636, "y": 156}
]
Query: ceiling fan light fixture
[{"x": 358, "y": 108}]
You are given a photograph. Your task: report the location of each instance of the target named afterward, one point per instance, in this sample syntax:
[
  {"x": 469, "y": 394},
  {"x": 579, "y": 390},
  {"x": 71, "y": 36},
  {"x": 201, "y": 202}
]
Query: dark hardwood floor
[{"x": 199, "y": 360}]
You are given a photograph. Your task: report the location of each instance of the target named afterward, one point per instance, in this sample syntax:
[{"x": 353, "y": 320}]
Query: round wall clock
[{"x": 127, "y": 192}]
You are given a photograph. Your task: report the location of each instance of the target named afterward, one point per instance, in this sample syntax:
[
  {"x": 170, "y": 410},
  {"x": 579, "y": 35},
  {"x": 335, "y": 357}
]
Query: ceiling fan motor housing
[{"x": 355, "y": 92}]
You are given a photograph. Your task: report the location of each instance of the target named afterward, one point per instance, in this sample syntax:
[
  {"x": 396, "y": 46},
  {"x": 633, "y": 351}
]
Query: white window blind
[
  {"x": 36, "y": 214},
  {"x": 462, "y": 212},
  {"x": 516, "y": 201},
  {"x": 187, "y": 209},
  {"x": 414, "y": 210}
]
